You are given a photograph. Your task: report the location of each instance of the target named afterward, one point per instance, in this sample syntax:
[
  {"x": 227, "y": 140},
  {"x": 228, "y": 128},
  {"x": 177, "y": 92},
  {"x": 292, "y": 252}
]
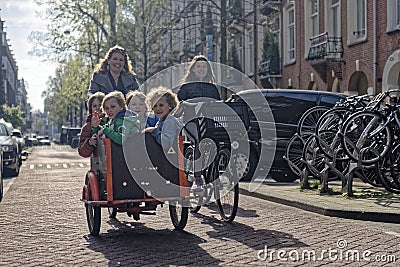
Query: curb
[{"x": 347, "y": 214}]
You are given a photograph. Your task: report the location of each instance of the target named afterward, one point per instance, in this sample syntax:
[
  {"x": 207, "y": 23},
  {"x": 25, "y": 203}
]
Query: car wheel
[
  {"x": 15, "y": 171},
  {"x": 285, "y": 176}
]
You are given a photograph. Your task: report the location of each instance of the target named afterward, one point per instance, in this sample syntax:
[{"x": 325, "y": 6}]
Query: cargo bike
[{"x": 137, "y": 177}]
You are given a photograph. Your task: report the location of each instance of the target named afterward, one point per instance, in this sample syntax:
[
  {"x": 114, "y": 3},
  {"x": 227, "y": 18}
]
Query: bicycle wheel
[
  {"x": 309, "y": 120},
  {"x": 369, "y": 174},
  {"x": 314, "y": 159},
  {"x": 328, "y": 128},
  {"x": 179, "y": 214},
  {"x": 365, "y": 140},
  {"x": 93, "y": 214},
  {"x": 294, "y": 154},
  {"x": 389, "y": 167},
  {"x": 195, "y": 199},
  {"x": 226, "y": 189}
]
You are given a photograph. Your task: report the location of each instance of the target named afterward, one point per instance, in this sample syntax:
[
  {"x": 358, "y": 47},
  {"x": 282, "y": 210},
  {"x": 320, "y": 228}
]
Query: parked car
[
  {"x": 20, "y": 139},
  {"x": 75, "y": 141},
  {"x": 31, "y": 140},
  {"x": 1, "y": 175},
  {"x": 67, "y": 134},
  {"x": 43, "y": 140},
  {"x": 287, "y": 106},
  {"x": 11, "y": 154}
]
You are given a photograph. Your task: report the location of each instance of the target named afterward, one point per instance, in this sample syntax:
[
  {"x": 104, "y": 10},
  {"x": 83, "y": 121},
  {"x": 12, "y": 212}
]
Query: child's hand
[
  {"x": 95, "y": 121},
  {"x": 100, "y": 133},
  {"x": 93, "y": 140},
  {"x": 148, "y": 130}
]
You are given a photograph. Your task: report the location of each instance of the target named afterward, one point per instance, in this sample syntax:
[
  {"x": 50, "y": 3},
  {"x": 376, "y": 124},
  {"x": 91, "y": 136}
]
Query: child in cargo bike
[
  {"x": 121, "y": 122},
  {"x": 163, "y": 101},
  {"x": 88, "y": 139}
]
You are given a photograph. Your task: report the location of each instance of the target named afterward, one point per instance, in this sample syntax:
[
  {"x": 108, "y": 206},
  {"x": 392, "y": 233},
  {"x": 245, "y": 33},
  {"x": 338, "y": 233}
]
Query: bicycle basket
[{"x": 219, "y": 118}]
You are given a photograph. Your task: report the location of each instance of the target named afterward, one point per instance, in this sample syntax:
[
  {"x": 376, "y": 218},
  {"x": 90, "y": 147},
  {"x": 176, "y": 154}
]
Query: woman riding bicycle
[{"x": 198, "y": 85}]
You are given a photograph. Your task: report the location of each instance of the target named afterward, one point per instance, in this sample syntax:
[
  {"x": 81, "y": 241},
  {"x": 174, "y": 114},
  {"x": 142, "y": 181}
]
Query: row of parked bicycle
[{"x": 358, "y": 137}]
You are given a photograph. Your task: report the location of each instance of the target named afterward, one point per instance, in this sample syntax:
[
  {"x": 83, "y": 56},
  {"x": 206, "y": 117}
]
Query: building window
[
  {"x": 361, "y": 18},
  {"x": 393, "y": 15},
  {"x": 314, "y": 17},
  {"x": 335, "y": 18},
  {"x": 356, "y": 18},
  {"x": 276, "y": 29},
  {"x": 332, "y": 19},
  {"x": 289, "y": 28}
]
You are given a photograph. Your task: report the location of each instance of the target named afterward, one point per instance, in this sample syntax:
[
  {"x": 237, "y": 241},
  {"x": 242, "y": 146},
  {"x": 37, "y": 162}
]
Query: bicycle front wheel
[
  {"x": 308, "y": 121},
  {"x": 226, "y": 189},
  {"x": 365, "y": 139}
]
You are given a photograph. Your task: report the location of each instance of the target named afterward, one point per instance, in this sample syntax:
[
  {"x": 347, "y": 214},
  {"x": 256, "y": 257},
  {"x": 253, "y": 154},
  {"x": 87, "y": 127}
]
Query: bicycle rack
[
  {"x": 353, "y": 167},
  {"x": 303, "y": 172},
  {"x": 330, "y": 165}
]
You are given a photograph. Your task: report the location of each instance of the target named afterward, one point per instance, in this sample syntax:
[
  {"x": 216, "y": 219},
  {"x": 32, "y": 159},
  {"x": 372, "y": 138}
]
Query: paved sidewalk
[{"x": 369, "y": 203}]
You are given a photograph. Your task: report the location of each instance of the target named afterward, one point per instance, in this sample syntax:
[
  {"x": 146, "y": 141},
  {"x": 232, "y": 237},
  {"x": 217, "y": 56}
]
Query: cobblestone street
[{"x": 43, "y": 223}]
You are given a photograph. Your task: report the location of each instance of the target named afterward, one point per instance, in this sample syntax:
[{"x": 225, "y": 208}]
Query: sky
[{"x": 20, "y": 19}]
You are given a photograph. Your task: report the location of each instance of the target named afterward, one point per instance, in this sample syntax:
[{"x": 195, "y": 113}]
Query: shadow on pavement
[
  {"x": 252, "y": 238},
  {"x": 134, "y": 244}
]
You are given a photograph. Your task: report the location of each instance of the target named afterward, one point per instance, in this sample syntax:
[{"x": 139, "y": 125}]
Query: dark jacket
[
  {"x": 101, "y": 83},
  {"x": 198, "y": 90}
]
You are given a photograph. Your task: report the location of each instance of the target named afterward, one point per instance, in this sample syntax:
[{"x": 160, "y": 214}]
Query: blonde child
[
  {"x": 136, "y": 101},
  {"x": 162, "y": 101}
]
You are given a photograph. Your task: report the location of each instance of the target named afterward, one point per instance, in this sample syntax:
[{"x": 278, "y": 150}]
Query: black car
[
  {"x": 287, "y": 106},
  {"x": 11, "y": 154}
]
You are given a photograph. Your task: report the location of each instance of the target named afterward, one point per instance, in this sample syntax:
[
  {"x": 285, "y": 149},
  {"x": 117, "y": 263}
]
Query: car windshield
[{"x": 3, "y": 130}]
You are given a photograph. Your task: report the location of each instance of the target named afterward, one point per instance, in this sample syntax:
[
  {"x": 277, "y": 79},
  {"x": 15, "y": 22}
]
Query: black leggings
[{"x": 192, "y": 130}]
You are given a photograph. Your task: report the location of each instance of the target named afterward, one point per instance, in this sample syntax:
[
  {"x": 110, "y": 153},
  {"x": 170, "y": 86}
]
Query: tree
[
  {"x": 13, "y": 115},
  {"x": 67, "y": 90}
]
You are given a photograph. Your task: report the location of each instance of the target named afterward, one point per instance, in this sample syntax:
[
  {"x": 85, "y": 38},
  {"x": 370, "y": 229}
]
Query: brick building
[{"x": 342, "y": 46}]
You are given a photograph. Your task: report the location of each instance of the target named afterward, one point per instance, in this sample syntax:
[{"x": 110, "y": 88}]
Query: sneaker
[{"x": 197, "y": 186}]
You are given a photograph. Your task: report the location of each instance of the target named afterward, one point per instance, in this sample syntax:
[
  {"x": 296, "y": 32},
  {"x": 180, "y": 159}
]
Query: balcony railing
[
  {"x": 324, "y": 47},
  {"x": 270, "y": 68},
  {"x": 269, "y": 6},
  {"x": 270, "y": 1}
]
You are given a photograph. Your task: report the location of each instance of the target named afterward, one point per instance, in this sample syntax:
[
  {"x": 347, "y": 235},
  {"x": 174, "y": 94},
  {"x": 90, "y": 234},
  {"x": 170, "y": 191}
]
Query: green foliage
[
  {"x": 13, "y": 115},
  {"x": 67, "y": 89}
]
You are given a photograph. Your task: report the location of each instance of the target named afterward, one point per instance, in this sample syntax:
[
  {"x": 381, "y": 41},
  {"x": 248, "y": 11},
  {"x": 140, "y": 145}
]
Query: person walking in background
[
  {"x": 136, "y": 102},
  {"x": 113, "y": 73},
  {"x": 121, "y": 122},
  {"x": 87, "y": 138}
]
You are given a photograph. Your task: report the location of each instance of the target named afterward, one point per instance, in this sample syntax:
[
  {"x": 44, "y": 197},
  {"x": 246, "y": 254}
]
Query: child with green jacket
[{"x": 122, "y": 122}]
